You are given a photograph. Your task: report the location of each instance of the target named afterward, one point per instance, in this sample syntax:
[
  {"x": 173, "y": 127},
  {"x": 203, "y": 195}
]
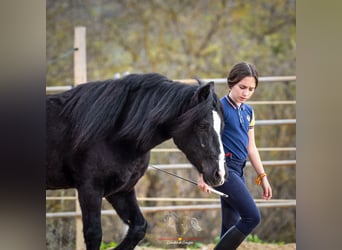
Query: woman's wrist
[{"x": 259, "y": 178}]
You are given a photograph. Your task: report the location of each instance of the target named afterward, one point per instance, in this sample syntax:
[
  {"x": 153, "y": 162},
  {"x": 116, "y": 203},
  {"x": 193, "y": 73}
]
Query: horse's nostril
[{"x": 219, "y": 178}]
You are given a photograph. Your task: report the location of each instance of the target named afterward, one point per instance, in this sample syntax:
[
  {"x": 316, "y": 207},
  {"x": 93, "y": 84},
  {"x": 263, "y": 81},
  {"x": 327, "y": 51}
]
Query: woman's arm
[{"x": 254, "y": 157}]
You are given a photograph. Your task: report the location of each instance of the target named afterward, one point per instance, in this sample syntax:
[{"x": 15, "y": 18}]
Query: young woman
[{"x": 240, "y": 214}]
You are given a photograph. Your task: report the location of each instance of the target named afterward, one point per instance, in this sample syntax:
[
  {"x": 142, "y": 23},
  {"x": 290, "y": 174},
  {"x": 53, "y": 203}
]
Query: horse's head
[{"x": 198, "y": 134}]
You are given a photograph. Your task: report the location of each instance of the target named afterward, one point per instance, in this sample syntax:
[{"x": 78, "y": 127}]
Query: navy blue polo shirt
[{"x": 238, "y": 121}]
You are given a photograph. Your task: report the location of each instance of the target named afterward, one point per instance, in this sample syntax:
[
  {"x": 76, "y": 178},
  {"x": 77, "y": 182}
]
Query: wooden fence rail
[
  {"x": 265, "y": 79},
  {"x": 265, "y": 204}
]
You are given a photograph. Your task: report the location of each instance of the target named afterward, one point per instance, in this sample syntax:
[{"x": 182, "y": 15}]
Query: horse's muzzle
[
  {"x": 215, "y": 179},
  {"x": 222, "y": 179}
]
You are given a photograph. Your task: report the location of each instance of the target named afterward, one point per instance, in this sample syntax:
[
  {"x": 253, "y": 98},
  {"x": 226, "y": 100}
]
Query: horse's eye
[{"x": 203, "y": 126}]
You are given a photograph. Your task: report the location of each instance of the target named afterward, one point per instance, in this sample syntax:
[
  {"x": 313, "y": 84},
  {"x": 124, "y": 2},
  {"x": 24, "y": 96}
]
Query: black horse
[{"x": 99, "y": 137}]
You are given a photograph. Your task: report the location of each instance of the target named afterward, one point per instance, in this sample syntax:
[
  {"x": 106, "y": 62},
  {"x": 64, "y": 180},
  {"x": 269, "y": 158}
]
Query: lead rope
[{"x": 191, "y": 181}]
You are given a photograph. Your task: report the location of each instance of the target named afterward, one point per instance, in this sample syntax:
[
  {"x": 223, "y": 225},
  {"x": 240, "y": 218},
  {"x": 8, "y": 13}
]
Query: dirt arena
[{"x": 243, "y": 246}]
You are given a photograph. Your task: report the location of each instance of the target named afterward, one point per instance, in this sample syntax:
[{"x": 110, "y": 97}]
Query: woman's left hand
[
  {"x": 266, "y": 187},
  {"x": 202, "y": 185}
]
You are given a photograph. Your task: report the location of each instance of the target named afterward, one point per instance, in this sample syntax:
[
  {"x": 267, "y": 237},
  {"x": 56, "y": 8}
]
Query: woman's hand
[
  {"x": 202, "y": 185},
  {"x": 266, "y": 187}
]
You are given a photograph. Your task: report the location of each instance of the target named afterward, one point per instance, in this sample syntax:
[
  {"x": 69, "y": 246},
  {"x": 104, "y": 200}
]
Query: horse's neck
[{"x": 156, "y": 139}]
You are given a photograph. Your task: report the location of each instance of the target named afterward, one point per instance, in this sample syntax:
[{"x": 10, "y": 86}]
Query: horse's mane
[{"x": 130, "y": 107}]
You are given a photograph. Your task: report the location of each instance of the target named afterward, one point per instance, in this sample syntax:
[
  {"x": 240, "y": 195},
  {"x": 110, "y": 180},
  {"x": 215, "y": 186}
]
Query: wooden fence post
[
  {"x": 80, "y": 59},
  {"x": 80, "y": 76}
]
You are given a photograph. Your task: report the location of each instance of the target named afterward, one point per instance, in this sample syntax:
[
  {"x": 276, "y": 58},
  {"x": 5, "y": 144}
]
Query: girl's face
[{"x": 243, "y": 90}]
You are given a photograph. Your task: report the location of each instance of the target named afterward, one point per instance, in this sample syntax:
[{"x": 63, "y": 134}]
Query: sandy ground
[
  {"x": 243, "y": 246},
  {"x": 258, "y": 246}
]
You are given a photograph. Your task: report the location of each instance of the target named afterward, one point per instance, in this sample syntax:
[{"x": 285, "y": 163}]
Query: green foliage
[
  {"x": 109, "y": 245},
  {"x": 255, "y": 239},
  {"x": 196, "y": 245},
  {"x": 181, "y": 40}
]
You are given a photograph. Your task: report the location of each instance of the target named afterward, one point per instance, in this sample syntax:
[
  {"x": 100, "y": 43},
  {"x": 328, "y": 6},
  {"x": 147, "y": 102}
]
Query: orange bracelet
[{"x": 258, "y": 179}]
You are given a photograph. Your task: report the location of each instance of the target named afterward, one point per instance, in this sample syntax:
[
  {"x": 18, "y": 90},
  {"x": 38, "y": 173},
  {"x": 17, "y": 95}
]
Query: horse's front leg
[
  {"x": 90, "y": 203},
  {"x": 126, "y": 206}
]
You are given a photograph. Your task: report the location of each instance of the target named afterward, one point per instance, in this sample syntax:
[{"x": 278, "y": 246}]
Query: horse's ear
[{"x": 203, "y": 91}]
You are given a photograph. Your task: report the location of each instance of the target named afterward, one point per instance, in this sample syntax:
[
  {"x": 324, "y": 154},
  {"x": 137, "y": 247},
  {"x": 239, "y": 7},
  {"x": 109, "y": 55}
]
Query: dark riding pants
[{"x": 239, "y": 208}]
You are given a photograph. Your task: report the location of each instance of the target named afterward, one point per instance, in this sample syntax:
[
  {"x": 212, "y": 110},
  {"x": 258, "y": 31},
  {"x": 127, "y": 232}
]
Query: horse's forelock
[{"x": 192, "y": 115}]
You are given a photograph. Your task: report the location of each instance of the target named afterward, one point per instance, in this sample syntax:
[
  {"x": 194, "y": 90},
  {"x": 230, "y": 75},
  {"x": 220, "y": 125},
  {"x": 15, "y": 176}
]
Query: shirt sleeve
[{"x": 252, "y": 123}]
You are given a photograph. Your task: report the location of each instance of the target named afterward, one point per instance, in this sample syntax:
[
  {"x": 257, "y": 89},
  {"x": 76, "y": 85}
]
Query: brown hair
[{"x": 240, "y": 71}]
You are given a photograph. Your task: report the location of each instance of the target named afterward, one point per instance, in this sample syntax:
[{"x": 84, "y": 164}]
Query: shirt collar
[{"x": 233, "y": 104}]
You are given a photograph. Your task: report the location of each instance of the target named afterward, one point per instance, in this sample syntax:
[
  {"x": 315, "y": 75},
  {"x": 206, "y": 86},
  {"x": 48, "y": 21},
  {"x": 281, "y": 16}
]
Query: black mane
[{"x": 133, "y": 106}]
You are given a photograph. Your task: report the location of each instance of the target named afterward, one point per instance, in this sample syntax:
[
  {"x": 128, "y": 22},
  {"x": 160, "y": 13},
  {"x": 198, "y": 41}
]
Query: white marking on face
[{"x": 217, "y": 127}]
